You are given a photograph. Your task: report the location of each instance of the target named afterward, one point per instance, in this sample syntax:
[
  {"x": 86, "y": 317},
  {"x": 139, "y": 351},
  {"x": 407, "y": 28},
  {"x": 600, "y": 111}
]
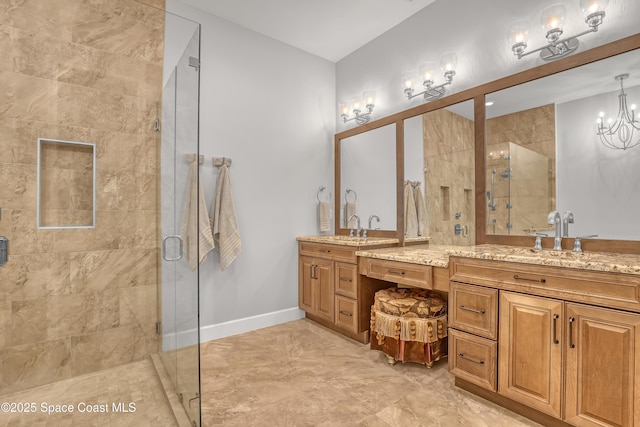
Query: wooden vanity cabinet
[
  {"x": 332, "y": 292},
  {"x": 316, "y": 287},
  {"x": 577, "y": 363}
]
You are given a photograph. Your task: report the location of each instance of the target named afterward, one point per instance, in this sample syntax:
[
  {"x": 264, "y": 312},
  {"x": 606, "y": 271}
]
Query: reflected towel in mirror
[
  {"x": 350, "y": 209},
  {"x": 410, "y": 211}
]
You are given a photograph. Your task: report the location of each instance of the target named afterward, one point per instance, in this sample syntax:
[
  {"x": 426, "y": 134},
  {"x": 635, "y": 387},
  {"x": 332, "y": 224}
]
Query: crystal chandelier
[{"x": 618, "y": 134}]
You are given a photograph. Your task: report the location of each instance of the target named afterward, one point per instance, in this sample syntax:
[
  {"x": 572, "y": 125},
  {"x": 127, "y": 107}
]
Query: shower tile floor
[
  {"x": 135, "y": 383},
  {"x": 293, "y": 374}
]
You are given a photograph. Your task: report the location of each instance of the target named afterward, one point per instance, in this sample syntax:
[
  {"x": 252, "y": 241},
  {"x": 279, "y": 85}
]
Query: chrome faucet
[
  {"x": 364, "y": 232},
  {"x": 567, "y": 219},
  {"x": 357, "y": 230},
  {"x": 554, "y": 219}
]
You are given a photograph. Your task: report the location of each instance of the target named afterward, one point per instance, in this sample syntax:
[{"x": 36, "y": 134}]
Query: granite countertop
[
  {"x": 597, "y": 261},
  {"x": 344, "y": 240},
  {"x": 434, "y": 255}
]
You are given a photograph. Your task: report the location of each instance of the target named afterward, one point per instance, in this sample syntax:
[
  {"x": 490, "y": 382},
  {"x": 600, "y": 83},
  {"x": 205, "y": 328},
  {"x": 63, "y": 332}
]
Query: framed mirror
[
  {"x": 439, "y": 162},
  {"x": 366, "y": 180},
  {"x": 543, "y": 153}
]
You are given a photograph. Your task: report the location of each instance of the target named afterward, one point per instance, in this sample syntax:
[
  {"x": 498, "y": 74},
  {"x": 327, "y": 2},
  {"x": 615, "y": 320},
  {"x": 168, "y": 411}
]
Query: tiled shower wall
[
  {"x": 76, "y": 301},
  {"x": 449, "y": 175}
]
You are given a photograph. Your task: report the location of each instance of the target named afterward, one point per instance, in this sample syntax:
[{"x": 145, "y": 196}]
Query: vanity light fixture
[
  {"x": 618, "y": 133},
  {"x": 552, "y": 21},
  {"x": 354, "y": 108},
  {"x": 448, "y": 63}
]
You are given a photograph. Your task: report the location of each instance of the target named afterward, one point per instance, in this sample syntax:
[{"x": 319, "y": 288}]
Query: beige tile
[
  {"x": 100, "y": 270},
  {"x": 28, "y": 321},
  {"x": 30, "y": 365},
  {"x": 138, "y": 307},
  {"x": 31, "y": 277},
  {"x": 137, "y": 31},
  {"x": 5, "y": 323},
  {"x": 103, "y": 310},
  {"x": 19, "y": 186},
  {"x": 66, "y": 315},
  {"x": 28, "y": 97},
  {"x": 101, "y": 349},
  {"x": 51, "y": 17}
]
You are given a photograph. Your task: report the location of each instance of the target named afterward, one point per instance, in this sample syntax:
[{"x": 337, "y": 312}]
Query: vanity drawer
[
  {"x": 334, "y": 252},
  {"x": 346, "y": 279},
  {"x": 595, "y": 287},
  {"x": 346, "y": 313},
  {"x": 473, "y": 309},
  {"x": 420, "y": 276},
  {"x": 473, "y": 359}
]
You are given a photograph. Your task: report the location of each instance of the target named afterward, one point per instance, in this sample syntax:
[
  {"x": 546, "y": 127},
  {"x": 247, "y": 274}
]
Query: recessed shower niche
[{"x": 66, "y": 184}]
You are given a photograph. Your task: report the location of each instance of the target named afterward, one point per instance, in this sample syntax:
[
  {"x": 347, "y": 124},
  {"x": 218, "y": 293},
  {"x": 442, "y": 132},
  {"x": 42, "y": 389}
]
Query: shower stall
[
  {"x": 518, "y": 190},
  {"x": 179, "y": 293}
]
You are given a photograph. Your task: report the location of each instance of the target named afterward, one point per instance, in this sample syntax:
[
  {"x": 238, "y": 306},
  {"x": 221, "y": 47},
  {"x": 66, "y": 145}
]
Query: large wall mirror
[
  {"x": 367, "y": 180},
  {"x": 543, "y": 153},
  {"x": 439, "y": 160}
]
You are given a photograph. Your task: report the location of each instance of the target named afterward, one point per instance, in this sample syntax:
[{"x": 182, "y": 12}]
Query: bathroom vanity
[
  {"x": 330, "y": 290},
  {"x": 556, "y": 332}
]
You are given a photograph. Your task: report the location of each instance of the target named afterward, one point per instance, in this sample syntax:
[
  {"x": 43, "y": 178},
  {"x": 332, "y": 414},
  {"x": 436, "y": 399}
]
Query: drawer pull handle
[
  {"x": 555, "y": 327},
  {"x": 345, "y": 279},
  {"x": 515, "y": 276},
  {"x": 471, "y": 359},
  {"x": 475, "y": 310},
  {"x": 571, "y": 344},
  {"x": 325, "y": 250},
  {"x": 346, "y": 314},
  {"x": 395, "y": 272}
]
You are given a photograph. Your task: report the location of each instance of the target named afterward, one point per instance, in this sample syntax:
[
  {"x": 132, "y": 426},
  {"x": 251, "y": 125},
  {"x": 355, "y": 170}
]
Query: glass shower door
[{"x": 180, "y": 300}]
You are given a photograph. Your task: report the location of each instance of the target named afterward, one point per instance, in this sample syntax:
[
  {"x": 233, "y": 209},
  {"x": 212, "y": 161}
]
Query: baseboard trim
[{"x": 239, "y": 326}]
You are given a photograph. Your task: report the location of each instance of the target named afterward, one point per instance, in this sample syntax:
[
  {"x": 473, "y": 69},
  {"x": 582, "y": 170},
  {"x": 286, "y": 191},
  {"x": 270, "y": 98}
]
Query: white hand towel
[
  {"x": 324, "y": 216},
  {"x": 223, "y": 221},
  {"x": 410, "y": 212},
  {"x": 196, "y": 228},
  {"x": 350, "y": 209},
  {"x": 421, "y": 208}
]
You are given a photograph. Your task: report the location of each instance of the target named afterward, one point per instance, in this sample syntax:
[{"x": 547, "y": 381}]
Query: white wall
[
  {"x": 599, "y": 185},
  {"x": 477, "y": 31},
  {"x": 271, "y": 108}
]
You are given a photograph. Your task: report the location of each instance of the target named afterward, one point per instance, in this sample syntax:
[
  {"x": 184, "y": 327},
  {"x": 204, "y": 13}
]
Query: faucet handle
[
  {"x": 577, "y": 246},
  {"x": 538, "y": 244}
]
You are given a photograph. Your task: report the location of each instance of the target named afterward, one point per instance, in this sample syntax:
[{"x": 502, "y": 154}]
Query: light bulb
[
  {"x": 519, "y": 33},
  {"x": 426, "y": 72},
  {"x": 601, "y": 114},
  {"x": 369, "y": 97},
  {"x": 592, "y": 6},
  {"x": 407, "y": 81},
  {"x": 344, "y": 109},
  {"x": 448, "y": 62},
  {"x": 633, "y": 107},
  {"x": 553, "y": 17}
]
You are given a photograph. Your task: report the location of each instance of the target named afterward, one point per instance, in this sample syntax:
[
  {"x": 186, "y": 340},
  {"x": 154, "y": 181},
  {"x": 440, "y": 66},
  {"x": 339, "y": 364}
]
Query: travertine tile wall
[
  {"x": 534, "y": 130},
  {"x": 76, "y": 301},
  {"x": 449, "y": 176}
]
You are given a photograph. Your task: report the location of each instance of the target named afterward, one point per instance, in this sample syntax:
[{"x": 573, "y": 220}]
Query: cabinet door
[
  {"x": 530, "y": 351},
  {"x": 324, "y": 289},
  {"x": 601, "y": 377},
  {"x": 306, "y": 269}
]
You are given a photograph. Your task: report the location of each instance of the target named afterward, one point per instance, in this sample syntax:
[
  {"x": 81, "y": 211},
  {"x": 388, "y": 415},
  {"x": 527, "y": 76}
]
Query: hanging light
[
  {"x": 552, "y": 21},
  {"x": 448, "y": 64},
  {"x": 354, "y": 109},
  {"x": 618, "y": 133}
]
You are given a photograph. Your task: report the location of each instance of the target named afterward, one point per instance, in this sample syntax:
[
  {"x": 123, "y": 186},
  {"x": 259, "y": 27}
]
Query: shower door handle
[{"x": 164, "y": 247}]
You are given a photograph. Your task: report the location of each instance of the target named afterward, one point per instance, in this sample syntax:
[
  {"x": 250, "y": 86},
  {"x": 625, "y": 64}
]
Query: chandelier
[{"x": 618, "y": 133}]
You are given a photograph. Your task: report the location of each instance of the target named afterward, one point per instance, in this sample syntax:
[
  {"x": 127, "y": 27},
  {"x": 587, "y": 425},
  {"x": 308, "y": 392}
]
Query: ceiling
[{"x": 330, "y": 29}]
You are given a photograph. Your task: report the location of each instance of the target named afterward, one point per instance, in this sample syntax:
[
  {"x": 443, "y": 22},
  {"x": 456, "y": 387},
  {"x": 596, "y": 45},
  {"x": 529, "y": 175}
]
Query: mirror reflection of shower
[{"x": 500, "y": 190}]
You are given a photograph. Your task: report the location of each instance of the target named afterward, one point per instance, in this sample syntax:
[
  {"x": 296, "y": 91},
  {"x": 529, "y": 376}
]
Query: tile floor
[
  {"x": 301, "y": 374},
  {"x": 293, "y": 374}
]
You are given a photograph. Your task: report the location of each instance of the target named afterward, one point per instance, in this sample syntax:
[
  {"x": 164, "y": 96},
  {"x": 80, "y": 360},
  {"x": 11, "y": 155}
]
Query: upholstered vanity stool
[{"x": 409, "y": 325}]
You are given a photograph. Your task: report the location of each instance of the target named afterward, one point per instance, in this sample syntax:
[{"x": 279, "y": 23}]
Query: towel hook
[
  {"x": 320, "y": 190},
  {"x": 355, "y": 195}
]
